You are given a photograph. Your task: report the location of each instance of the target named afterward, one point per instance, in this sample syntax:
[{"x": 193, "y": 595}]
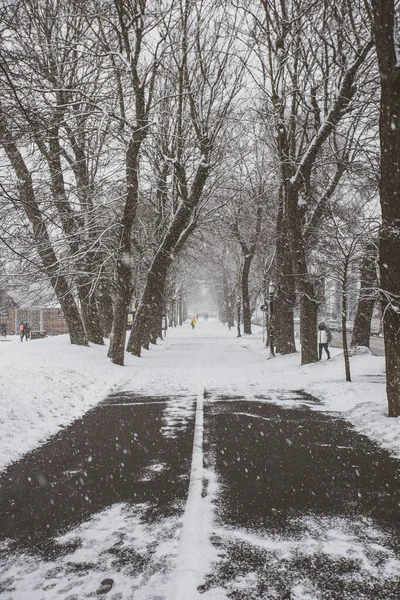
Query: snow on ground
[{"x": 47, "y": 384}]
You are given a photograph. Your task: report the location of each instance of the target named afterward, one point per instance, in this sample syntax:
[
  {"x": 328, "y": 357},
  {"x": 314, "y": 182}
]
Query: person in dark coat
[{"x": 27, "y": 330}]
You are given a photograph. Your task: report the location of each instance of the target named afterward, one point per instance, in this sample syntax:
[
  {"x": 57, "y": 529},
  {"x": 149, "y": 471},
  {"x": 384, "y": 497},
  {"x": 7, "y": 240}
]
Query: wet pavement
[
  {"x": 118, "y": 452},
  {"x": 294, "y": 485},
  {"x": 294, "y": 482}
]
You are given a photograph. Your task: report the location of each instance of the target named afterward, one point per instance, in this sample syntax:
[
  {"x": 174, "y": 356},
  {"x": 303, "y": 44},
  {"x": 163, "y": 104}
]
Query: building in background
[{"x": 47, "y": 320}]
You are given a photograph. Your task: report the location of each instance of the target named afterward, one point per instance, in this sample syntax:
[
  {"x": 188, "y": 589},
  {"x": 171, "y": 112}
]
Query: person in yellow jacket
[{"x": 193, "y": 322}]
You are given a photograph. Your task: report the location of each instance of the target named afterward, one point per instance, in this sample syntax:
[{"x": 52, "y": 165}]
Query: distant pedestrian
[
  {"x": 27, "y": 330},
  {"x": 324, "y": 337},
  {"x": 22, "y": 330},
  {"x": 3, "y": 328},
  {"x": 193, "y": 322}
]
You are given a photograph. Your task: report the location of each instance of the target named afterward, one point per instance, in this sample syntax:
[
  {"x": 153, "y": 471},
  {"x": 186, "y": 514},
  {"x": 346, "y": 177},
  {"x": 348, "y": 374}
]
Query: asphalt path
[
  {"x": 102, "y": 459},
  {"x": 299, "y": 495},
  {"x": 279, "y": 470}
]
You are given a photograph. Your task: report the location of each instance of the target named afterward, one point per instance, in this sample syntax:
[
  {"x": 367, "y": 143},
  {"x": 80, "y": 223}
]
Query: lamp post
[
  {"x": 238, "y": 317},
  {"x": 271, "y": 294}
]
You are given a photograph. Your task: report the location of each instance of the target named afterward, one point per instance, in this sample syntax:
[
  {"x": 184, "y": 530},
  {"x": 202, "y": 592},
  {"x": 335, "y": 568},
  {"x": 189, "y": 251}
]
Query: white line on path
[{"x": 196, "y": 553}]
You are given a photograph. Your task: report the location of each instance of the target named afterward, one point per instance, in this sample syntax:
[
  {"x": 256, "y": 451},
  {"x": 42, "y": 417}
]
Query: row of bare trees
[
  {"x": 133, "y": 131},
  {"x": 113, "y": 117}
]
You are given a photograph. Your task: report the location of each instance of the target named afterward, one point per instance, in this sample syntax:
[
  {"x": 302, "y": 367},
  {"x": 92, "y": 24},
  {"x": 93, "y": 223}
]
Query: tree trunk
[
  {"x": 228, "y": 301},
  {"x": 366, "y": 299},
  {"x": 72, "y": 316},
  {"x": 149, "y": 304},
  {"x": 172, "y": 314},
  {"x": 386, "y": 36},
  {"x": 284, "y": 300},
  {"x": 305, "y": 285},
  {"x": 231, "y": 309},
  {"x": 344, "y": 321},
  {"x": 123, "y": 298},
  {"x": 182, "y": 309},
  {"x": 90, "y": 313},
  {"x": 248, "y": 251},
  {"x": 285, "y": 291},
  {"x": 105, "y": 306},
  {"x": 284, "y": 323},
  {"x": 156, "y": 321},
  {"x": 308, "y": 324},
  {"x": 245, "y": 295},
  {"x": 123, "y": 285}
]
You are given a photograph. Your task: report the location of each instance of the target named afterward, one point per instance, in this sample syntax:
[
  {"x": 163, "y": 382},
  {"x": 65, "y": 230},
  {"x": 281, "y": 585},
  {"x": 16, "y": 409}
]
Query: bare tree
[
  {"x": 386, "y": 32},
  {"x": 131, "y": 37},
  {"x": 51, "y": 265},
  {"x": 50, "y": 83},
  {"x": 248, "y": 251},
  {"x": 310, "y": 87},
  {"x": 343, "y": 248},
  {"x": 207, "y": 79}
]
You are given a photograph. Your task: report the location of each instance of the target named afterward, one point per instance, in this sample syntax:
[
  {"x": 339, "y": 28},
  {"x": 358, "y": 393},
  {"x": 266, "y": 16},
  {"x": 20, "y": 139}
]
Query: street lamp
[
  {"x": 238, "y": 317},
  {"x": 271, "y": 294}
]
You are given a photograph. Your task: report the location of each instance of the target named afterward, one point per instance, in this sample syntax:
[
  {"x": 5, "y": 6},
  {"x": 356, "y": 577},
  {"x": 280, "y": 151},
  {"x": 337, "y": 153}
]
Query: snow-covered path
[{"x": 121, "y": 552}]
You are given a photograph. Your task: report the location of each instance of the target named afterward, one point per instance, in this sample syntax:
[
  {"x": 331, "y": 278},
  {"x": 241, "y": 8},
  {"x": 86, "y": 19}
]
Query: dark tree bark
[
  {"x": 105, "y": 306},
  {"x": 248, "y": 250},
  {"x": 230, "y": 315},
  {"x": 245, "y": 295},
  {"x": 305, "y": 282},
  {"x": 308, "y": 323},
  {"x": 344, "y": 318},
  {"x": 123, "y": 271},
  {"x": 285, "y": 290},
  {"x": 227, "y": 295},
  {"x": 386, "y": 41},
  {"x": 148, "y": 310},
  {"x": 42, "y": 240},
  {"x": 366, "y": 299}
]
